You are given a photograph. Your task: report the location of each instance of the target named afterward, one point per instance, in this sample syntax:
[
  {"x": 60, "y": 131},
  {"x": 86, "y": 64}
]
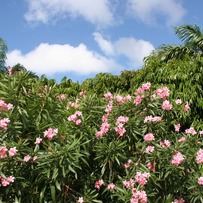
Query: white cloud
[
  {"x": 50, "y": 59},
  {"x": 133, "y": 49},
  {"x": 105, "y": 45},
  {"x": 97, "y": 12},
  {"x": 149, "y": 10}
]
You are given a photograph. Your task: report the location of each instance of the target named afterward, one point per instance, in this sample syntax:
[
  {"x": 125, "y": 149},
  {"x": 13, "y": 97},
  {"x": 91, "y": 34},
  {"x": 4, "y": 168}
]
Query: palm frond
[{"x": 190, "y": 34}]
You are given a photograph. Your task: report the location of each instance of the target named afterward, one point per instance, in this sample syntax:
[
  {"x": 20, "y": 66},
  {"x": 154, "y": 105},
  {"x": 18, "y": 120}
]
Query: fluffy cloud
[
  {"x": 105, "y": 45},
  {"x": 133, "y": 49},
  {"x": 97, "y": 12},
  {"x": 50, "y": 59},
  {"x": 149, "y": 10}
]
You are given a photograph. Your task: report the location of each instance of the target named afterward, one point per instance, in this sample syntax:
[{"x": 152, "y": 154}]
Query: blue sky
[{"x": 80, "y": 38}]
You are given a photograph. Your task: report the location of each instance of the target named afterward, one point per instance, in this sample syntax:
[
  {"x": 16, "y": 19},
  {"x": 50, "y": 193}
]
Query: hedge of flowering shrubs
[{"x": 119, "y": 148}]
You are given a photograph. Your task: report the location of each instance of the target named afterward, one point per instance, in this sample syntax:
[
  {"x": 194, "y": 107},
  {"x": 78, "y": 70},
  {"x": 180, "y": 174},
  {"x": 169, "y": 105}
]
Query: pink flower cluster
[
  {"x": 11, "y": 152},
  {"x": 6, "y": 181},
  {"x": 76, "y": 118},
  {"x": 186, "y": 107},
  {"x": 4, "y": 123},
  {"x": 166, "y": 105},
  {"x": 200, "y": 180},
  {"x": 104, "y": 128},
  {"x": 177, "y": 127},
  {"x": 190, "y": 131},
  {"x": 163, "y": 92},
  {"x": 108, "y": 96},
  {"x": 149, "y": 137},
  {"x": 177, "y": 159},
  {"x": 199, "y": 156},
  {"x": 120, "y": 122},
  {"x": 179, "y": 200},
  {"x": 121, "y": 100},
  {"x": 111, "y": 186},
  {"x": 165, "y": 144},
  {"x": 99, "y": 183},
  {"x": 138, "y": 196},
  {"x": 61, "y": 96},
  {"x": 141, "y": 178},
  {"x": 73, "y": 104},
  {"x": 129, "y": 184},
  {"x": 38, "y": 140},
  {"x": 50, "y": 133},
  {"x": 149, "y": 149},
  {"x": 145, "y": 87},
  {"x": 127, "y": 165},
  {"x": 178, "y": 101},
  {"x": 82, "y": 93},
  {"x": 140, "y": 92},
  {"x": 28, "y": 158},
  {"x": 149, "y": 119},
  {"x": 4, "y": 106}
]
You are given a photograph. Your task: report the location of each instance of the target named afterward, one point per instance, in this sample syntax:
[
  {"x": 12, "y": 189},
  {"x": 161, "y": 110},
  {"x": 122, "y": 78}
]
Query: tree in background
[{"x": 192, "y": 37}]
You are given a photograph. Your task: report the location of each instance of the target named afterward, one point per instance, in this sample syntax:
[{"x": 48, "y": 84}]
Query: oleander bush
[{"x": 62, "y": 146}]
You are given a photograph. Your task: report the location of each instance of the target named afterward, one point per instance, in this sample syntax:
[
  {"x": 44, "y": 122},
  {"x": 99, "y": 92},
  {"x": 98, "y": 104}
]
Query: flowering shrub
[{"x": 119, "y": 148}]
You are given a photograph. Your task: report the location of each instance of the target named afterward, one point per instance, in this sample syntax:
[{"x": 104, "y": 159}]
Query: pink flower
[
  {"x": 179, "y": 200},
  {"x": 141, "y": 178},
  {"x": 3, "y": 153},
  {"x": 149, "y": 119},
  {"x": 166, "y": 105},
  {"x": 80, "y": 200},
  {"x": 138, "y": 196},
  {"x": 4, "y": 182},
  {"x": 72, "y": 104},
  {"x": 201, "y": 132},
  {"x": 163, "y": 92},
  {"x": 38, "y": 140},
  {"x": 109, "y": 107},
  {"x": 4, "y": 123},
  {"x": 182, "y": 139},
  {"x": 12, "y": 151},
  {"x": 149, "y": 149},
  {"x": 50, "y": 133},
  {"x": 119, "y": 99},
  {"x": 34, "y": 158},
  {"x": 177, "y": 127},
  {"x": 127, "y": 165},
  {"x": 137, "y": 100},
  {"x": 26, "y": 158},
  {"x": 177, "y": 159},
  {"x": 111, "y": 186},
  {"x": 165, "y": 143},
  {"x": 10, "y": 179},
  {"x": 178, "y": 101},
  {"x": 199, "y": 156},
  {"x": 186, "y": 107},
  {"x": 127, "y": 98},
  {"x": 120, "y": 130},
  {"x": 10, "y": 70},
  {"x": 82, "y": 93},
  {"x": 190, "y": 131},
  {"x": 108, "y": 96},
  {"x": 99, "y": 183},
  {"x": 148, "y": 137},
  {"x": 151, "y": 166},
  {"x": 129, "y": 184},
  {"x": 200, "y": 180},
  {"x": 76, "y": 117},
  {"x": 146, "y": 86}
]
